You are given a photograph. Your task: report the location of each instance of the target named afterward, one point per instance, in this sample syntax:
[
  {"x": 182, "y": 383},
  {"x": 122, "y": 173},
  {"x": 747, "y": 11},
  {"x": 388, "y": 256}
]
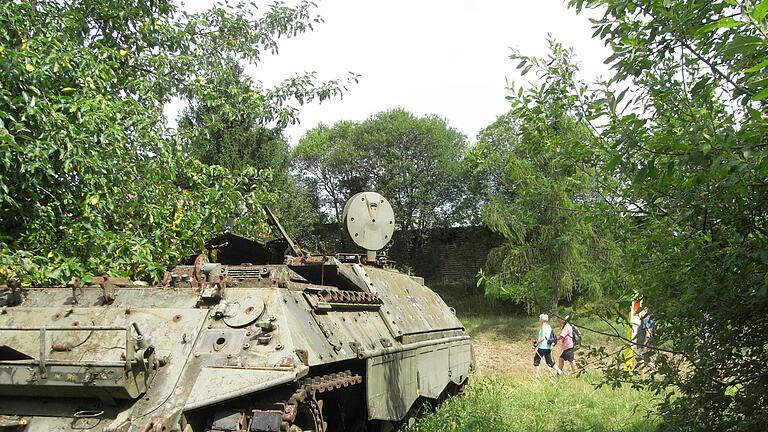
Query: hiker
[
  {"x": 567, "y": 344},
  {"x": 543, "y": 344},
  {"x": 645, "y": 332}
]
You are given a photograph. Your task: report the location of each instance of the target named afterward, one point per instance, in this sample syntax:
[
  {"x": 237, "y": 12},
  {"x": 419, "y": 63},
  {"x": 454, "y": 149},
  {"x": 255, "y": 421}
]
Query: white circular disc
[
  {"x": 369, "y": 220},
  {"x": 244, "y": 312}
]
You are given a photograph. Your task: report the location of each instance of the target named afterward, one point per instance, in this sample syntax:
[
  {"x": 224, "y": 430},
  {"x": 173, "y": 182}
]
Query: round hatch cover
[
  {"x": 369, "y": 220},
  {"x": 243, "y": 312}
]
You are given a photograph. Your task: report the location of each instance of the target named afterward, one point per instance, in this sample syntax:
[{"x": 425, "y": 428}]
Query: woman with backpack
[
  {"x": 543, "y": 344},
  {"x": 568, "y": 346}
]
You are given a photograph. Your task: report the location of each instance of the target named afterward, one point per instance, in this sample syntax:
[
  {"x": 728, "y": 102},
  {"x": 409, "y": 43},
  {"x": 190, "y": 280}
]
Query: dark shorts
[
  {"x": 567, "y": 355},
  {"x": 546, "y": 353}
]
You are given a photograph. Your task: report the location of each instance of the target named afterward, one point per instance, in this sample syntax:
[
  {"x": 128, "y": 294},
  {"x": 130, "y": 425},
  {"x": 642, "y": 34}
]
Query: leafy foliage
[
  {"x": 689, "y": 152},
  {"x": 416, "y": 162},
  {"x": 91, "y": 180},
  {"x": 539, "y": 161},
  {"x": 325, "y": 160},
  {"x": 678, "y": 156},
  {"x": 231, "y": 124}
]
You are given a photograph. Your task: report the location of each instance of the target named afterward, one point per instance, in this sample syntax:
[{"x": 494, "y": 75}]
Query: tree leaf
[
  {"x": 621, "y": 95},
  {"x": 760, "y": 10},
  {"x": 762, "y": 94},
  {"x": 741, "y": 44},
  {"x": 754, "y": 114},
  {"x": 611, "y": 166},
  {"x": 727, "y": 22},
  {"x": 758, "y": 66}
]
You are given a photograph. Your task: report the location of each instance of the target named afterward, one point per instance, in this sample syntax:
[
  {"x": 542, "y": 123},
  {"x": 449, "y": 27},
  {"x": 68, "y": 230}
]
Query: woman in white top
[{"x": 543, "y": 347}]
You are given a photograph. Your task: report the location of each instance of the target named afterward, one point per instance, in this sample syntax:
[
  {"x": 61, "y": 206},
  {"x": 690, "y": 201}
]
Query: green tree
[
  {"x": 538, "y": 162},
  {"x": 91, "y": 179},
  {"x": 685, "y": 123},
  {"x": 232, "y": 126},
  {"x": 690, "y": 153},
  {"x": 416, "y": 162},
  {"x": 325, "y": 159}
]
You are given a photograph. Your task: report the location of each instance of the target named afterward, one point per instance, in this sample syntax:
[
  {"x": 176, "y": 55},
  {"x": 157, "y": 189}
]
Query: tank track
[{"x": 330, "y": 382}]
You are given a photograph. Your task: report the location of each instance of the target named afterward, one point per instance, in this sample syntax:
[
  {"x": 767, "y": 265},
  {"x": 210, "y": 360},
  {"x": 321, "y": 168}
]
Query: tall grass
[{"x": 567, "y": 404}]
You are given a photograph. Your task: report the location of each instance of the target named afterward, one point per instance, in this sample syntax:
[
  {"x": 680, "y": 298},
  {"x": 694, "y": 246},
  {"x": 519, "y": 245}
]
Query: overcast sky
[{"x": 444, "y": 57}]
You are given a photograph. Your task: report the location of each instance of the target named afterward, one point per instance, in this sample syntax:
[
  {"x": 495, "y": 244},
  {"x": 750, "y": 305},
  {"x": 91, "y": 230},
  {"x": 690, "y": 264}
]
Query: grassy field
[
  {"x": 518, "y": 403},
  {"x": 504, "y": 394}
]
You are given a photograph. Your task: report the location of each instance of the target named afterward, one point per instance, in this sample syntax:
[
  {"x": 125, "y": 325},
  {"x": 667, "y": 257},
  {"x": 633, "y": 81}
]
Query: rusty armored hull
[{"x": 258, "y": 341}]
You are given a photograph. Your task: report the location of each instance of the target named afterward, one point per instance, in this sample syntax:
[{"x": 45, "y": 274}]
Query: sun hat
[{"x": 543, "y": 317}]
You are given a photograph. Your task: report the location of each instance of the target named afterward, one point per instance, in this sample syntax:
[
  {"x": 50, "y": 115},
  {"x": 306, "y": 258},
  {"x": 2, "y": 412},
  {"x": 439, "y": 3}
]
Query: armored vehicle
[{"x": 250, "y": 336}]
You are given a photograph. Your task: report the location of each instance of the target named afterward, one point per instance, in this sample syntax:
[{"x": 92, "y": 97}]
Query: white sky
[{"x": 444, "y": 57}]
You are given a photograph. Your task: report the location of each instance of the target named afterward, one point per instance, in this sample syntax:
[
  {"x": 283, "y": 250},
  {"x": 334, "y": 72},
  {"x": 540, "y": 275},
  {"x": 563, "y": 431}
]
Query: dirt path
[
  {"x": 502, "y": 345},
  {"x": 502, "y": 357}
]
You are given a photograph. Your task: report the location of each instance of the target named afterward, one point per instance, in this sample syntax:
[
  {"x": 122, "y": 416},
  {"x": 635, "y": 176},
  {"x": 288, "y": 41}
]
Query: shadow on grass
[
  {"x": 505, "y": 321},
  {"x": 494, "y": 320},
  {"x": 467, "y": 299},
  {"x": 500, "y": 328}
]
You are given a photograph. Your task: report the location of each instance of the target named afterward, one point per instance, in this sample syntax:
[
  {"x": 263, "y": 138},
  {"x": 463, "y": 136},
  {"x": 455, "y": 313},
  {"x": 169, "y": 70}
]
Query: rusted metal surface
[
  {"x": 349, "y": 297},
  {"x": 330, "y": 382},
  {"x": 276, "y": 342}
]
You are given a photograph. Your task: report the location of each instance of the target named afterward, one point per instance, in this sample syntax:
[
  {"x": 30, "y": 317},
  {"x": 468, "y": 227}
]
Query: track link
[{"x": 330, "y": 382}]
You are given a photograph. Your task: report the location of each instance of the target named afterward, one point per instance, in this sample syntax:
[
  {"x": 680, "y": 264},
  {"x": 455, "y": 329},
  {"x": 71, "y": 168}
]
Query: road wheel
[{"x": 309, "y": 417}]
